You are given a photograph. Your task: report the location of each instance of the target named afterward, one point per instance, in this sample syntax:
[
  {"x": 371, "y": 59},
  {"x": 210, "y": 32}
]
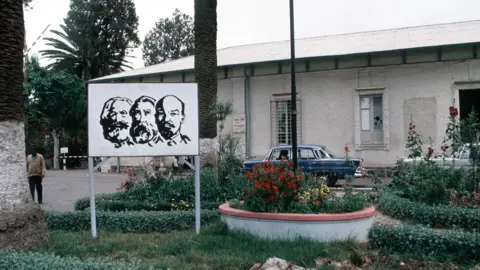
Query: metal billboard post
[
  {"x": 197, "y": 194},
  {"x": 93, "y": 216}
]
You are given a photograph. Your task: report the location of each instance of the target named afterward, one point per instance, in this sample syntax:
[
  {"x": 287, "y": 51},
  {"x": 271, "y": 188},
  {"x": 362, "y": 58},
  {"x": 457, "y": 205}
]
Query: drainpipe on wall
[{"x": 246, "y": 75}]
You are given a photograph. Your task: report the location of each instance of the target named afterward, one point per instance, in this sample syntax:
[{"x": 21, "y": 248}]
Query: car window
[
  {"x": 306, "y": 154},
  {"x": 330, "y": 153},
  {"x": 278, "y": 154},
  {"x": 321, "y": 154}
]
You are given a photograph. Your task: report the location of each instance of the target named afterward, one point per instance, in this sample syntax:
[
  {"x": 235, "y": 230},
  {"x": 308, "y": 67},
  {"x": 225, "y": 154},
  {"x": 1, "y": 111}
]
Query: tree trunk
[
  {"x": 56, "y": 149},
  {"x": 22, "y": 224},
  {"x": 205, "y": 29}
]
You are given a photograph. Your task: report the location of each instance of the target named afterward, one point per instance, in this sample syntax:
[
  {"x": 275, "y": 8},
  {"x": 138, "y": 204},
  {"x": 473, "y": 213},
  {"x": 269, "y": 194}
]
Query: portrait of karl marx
[
  {"x": 169, "y": 117},
  {"x": 116, "y": 121},
  {"x": 143, "y": 129}
]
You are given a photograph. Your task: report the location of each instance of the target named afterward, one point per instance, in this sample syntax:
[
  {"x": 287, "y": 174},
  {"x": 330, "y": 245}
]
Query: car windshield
[{"x": 330, "y": 153}]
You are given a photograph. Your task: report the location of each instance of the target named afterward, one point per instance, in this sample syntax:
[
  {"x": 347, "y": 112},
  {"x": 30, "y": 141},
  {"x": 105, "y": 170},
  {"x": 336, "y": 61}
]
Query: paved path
[{"x": 62, "y": 188}]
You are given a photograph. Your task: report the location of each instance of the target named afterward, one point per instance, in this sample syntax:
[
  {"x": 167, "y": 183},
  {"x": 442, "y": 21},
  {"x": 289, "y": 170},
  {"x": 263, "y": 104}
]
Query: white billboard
[{"x": 143, "y": 119}]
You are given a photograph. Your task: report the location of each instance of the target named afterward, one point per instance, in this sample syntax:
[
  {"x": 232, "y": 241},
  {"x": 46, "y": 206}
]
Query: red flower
[
  {"x": 365, "y": 244},
  {"x": 271, "y": 197},
  {"x": 346, "y": 149},
  {"x": 442, "y": 148},
  {"x": 245, "y": 192},
  {"x": 347, "y": 184},
  {"x": 389, "y": 234},
  {"x": 291, "y": 163},
  {"x": 301, "y": 177},
  {"x": 453, "y": 111},
  {"x": 45, "y": 132}
]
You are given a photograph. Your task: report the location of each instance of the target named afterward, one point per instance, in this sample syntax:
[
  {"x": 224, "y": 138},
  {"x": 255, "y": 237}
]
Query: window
[
  {"x": 278, "y": 154},
  {"x": 306, "y": 154},
  {"x": 371, "y": 119},
  {"x": 284, "y": 120},
  {"x": 281, "y": 121}
]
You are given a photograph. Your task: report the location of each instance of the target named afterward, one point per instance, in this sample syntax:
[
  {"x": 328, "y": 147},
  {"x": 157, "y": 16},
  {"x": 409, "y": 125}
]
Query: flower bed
[
  {"x": 279, "y": 204},
  {"x": 317, "y": 227}
]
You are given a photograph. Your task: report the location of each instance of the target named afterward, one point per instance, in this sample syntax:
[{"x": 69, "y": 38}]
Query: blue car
[{"x": 314, "y": 159}]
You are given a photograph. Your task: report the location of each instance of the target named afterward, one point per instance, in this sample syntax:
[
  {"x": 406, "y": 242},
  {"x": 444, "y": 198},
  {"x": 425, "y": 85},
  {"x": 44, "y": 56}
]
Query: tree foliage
[
  {"x": 170, "y": 39},
  {"x": 95, "y": 38},
  {"x": 57, "y": 99}
]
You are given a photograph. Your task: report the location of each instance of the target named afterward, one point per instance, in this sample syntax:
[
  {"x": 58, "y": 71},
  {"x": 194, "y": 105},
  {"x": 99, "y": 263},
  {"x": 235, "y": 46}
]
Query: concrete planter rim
[{"x": 225, "y": 209}]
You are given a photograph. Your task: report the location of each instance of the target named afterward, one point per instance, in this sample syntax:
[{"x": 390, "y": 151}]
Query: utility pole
[{"x": 294, "y": 88}]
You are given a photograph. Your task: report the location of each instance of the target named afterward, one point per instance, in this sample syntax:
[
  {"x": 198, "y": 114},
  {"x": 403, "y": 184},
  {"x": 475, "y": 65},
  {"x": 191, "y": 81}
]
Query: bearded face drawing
[
  {"x": 116, "y": 121},
  {"x": 143, "y": 129}
]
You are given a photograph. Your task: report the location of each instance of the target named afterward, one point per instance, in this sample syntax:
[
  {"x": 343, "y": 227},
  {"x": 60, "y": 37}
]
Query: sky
[{"x": 243, "y": 22}]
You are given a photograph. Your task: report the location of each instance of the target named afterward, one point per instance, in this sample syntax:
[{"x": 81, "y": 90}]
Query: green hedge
[
  {"x": 45, "y": 261},
  {"x": 135, "y": 221},
  {"x": 433, "y": 216},
  {"x": 441, "y": 245},
  {"x": 121, "y": 205}
]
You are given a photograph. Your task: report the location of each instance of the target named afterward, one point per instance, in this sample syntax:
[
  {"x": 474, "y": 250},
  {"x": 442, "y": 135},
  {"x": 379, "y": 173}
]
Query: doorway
[{"x": 468, "y": 99}]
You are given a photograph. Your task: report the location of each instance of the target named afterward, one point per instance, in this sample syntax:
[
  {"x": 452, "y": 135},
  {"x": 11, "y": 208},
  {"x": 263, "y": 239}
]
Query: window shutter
[{"x": 273, "y": 124}]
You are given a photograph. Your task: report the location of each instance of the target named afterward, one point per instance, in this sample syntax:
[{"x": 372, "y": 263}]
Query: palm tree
[
  {"x": 205, "y": 30},
  {"x": 74, "y": 53},
  {"x": 95, "y": 38},
  {"x": 26, "y": 227}
]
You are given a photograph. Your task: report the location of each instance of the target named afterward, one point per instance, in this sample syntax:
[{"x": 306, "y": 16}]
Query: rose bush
[
  {"x": 272, "y": 187},
  {"x": 275, "y": 187}
]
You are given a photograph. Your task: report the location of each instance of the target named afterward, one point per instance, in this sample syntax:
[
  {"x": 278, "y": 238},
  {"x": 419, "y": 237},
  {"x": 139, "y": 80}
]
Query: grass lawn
[{"x": 215, "y": 248}]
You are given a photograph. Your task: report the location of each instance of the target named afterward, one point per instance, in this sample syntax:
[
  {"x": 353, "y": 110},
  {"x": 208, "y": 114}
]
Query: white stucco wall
[{"x": 424, "y": 90}]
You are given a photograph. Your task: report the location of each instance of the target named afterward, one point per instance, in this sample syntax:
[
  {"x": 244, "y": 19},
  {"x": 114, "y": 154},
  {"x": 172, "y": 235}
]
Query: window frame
[
  {"x": 274, "y": 134},
  {"x": 371, "y": 92}
]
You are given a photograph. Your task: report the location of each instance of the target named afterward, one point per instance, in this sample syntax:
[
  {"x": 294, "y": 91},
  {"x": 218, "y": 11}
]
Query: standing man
[{"x": 36, "y": 171}]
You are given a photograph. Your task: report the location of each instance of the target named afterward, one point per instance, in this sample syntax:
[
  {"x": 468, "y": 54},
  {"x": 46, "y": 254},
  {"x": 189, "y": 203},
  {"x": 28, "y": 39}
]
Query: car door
[{"x": 307, "y": 159}]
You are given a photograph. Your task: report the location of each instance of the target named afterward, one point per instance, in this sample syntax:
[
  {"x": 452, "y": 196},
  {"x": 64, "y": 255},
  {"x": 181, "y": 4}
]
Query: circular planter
[{"x": 286, "y": 226}]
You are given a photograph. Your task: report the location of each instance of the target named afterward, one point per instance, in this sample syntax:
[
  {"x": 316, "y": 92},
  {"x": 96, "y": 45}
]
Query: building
[{"x": 359, "y": 89}]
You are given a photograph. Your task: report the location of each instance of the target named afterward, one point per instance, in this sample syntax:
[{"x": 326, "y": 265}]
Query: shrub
[
  {"x": 272, "y": 187},
  {"x": 431, "y": 184},
  {"x": 443, "y": 245},
  {"x": 118, "y": 205},
  {"x": 434, "y": 216},
  {"x": 45, "y": 261},
  {"x": 138, "y": 221},
  {"x": 164, "y": 191}
]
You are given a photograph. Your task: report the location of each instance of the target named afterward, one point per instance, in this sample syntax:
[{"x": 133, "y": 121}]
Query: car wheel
[{"x": 332, "y": 180}]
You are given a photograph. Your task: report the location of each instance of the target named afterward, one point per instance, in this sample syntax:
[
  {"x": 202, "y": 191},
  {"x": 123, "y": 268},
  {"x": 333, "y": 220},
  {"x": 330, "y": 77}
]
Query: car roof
[{"x": 299, "y": 146}]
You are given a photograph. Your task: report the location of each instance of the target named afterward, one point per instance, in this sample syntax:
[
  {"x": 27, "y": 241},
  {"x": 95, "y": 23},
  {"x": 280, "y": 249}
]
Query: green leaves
[
  {"x": 56, "y": 96},
  {"x": 441, "y": 245},
  {"x": 170, "y": 39},
  {"x": 135, "y": 221},
  {"x": 95, "y": 38},
  {"x": 45, "y": 261},
  {"x": 433, "y": 216}
]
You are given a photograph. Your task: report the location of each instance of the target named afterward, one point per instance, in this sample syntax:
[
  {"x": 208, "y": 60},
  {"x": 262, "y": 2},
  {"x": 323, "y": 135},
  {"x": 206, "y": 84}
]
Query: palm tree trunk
[
  {"x": 22, "y": 224},
  {"x": 205, "y": 29}
]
